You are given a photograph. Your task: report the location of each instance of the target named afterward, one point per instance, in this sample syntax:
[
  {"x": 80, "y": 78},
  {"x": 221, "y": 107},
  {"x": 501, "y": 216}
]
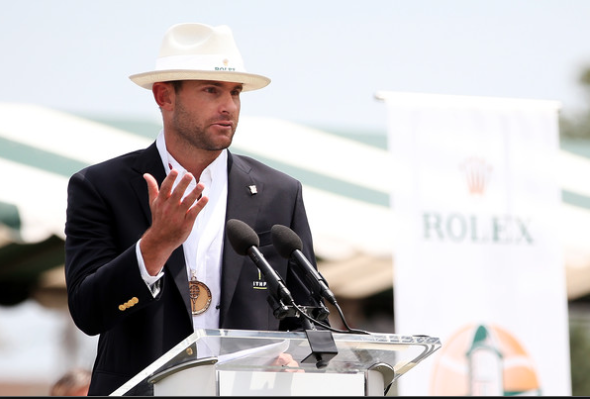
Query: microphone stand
[
  {"x": 322, "y": 344},
  {"x": 245, "y": 241}
]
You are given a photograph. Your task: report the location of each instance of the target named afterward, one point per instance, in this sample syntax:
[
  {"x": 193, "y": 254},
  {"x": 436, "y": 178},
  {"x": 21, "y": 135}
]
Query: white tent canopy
[{"x": 346, "y": 189}]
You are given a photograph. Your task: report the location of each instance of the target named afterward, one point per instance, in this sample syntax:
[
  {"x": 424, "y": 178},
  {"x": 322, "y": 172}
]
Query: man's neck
[{"x": 194, "y": 160}]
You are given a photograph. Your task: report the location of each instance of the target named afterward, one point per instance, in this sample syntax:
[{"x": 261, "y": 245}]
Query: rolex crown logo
[{"x": 477, "y": 175}]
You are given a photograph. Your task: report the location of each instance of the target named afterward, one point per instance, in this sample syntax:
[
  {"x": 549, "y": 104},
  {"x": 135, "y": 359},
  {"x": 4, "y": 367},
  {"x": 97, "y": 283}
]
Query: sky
[{"x": 327, "y": 59}]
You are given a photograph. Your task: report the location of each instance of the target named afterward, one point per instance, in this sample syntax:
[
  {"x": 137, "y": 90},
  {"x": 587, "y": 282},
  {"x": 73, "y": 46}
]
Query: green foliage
[
  {"x": 585, "y": 78},
  {"x": 577, "y": 126},
  {"x": 580, "y": 358}
]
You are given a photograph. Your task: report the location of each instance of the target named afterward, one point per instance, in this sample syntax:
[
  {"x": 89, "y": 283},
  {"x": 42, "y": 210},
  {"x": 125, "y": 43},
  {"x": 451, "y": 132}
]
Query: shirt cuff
[{"x": 152, "y": 282}]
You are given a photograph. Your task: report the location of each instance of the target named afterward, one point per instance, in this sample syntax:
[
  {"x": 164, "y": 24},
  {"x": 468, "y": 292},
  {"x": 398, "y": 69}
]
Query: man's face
[{"x": 206, "y": 113}]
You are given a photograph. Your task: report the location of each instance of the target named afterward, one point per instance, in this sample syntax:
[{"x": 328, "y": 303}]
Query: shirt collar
[{"x": 210, "y": 173}]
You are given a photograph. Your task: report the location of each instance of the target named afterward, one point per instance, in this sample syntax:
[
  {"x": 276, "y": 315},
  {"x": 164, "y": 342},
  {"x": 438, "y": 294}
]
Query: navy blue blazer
[{"x": 107, "y": 213}]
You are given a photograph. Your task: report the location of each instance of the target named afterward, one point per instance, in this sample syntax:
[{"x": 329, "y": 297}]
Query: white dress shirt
[{"x": 204, "y": 246}]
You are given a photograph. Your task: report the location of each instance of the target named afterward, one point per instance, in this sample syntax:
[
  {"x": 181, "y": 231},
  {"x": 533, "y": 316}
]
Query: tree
[{"x": 577, "y": 126}]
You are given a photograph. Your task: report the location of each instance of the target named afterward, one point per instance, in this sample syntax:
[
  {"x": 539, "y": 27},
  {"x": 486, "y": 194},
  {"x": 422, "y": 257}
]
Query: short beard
[{"x": 191, "y": 133}]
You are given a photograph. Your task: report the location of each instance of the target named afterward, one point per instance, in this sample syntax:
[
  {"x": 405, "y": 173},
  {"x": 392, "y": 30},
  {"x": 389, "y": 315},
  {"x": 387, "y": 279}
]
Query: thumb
[{"x": 152, "y": 185}]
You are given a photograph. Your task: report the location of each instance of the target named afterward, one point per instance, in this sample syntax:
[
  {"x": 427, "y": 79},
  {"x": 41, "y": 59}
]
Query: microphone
[
  {"x": 245, "y": 241},
  {"x": 288, "y": 244}
]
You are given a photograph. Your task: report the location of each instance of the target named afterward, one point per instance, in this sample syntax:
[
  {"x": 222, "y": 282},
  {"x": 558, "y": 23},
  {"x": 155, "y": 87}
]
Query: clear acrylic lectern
[{"x": 240, "y": 363}]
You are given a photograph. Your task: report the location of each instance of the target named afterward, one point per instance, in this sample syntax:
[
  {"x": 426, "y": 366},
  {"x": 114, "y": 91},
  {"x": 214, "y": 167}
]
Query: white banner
[{"x": 477, "y": 257}]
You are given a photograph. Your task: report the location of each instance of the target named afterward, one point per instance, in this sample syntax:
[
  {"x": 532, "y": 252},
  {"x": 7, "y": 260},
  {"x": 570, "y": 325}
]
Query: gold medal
[{"x": 200, "y": 296}]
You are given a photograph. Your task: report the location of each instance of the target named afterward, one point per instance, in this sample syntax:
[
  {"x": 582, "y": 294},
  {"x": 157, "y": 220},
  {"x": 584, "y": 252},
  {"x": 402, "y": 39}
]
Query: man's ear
[{"x": 163, "y": 94}]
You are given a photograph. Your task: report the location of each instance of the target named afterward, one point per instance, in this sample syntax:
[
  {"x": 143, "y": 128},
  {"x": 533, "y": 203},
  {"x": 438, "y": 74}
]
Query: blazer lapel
[{"x": 242, "y": 204}]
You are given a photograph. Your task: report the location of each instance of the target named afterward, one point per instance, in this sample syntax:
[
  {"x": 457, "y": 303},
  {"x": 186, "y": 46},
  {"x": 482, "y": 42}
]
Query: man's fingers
[
  {"x": 191, "y": 197},
  {"x": 194, "y": 211},
  {"x": 168, "y": 184},
  {"x": 191, "y": 203},
  {"x": 167, "y": 189},
  {"x": 180, "y": 188},
  {"x": 152, "y": 185}
]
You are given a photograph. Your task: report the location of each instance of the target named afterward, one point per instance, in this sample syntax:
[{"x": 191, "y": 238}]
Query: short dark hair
[{"x": 177, "y": 84}]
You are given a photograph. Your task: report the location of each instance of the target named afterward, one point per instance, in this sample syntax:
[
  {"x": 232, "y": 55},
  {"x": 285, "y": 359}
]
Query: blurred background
[{"x": 66, "y": 101}]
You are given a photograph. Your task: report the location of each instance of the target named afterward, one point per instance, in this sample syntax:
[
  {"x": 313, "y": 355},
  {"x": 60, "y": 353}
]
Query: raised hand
[{"x": 173, "y": 217}]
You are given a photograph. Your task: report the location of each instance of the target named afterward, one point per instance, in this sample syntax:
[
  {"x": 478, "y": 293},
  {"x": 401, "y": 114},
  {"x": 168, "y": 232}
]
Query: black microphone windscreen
[
  {"x": 285, "y": 240},
  {"x": 241, "y": 236}
]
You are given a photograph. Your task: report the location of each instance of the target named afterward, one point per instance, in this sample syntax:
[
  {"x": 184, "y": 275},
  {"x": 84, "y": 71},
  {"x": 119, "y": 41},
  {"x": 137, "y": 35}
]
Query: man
[{"x": 147, "y": 259}]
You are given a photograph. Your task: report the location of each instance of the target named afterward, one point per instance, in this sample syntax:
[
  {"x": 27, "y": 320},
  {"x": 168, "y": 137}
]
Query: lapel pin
[{"x": 253, "y": 189}]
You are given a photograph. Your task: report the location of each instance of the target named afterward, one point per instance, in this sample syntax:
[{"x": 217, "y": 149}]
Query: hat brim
[{"x": 249, "y": 80}]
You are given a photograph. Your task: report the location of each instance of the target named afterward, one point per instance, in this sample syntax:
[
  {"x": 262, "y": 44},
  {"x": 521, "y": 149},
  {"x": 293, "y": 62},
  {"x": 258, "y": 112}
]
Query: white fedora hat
[{"x": 200, "y": 52}]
